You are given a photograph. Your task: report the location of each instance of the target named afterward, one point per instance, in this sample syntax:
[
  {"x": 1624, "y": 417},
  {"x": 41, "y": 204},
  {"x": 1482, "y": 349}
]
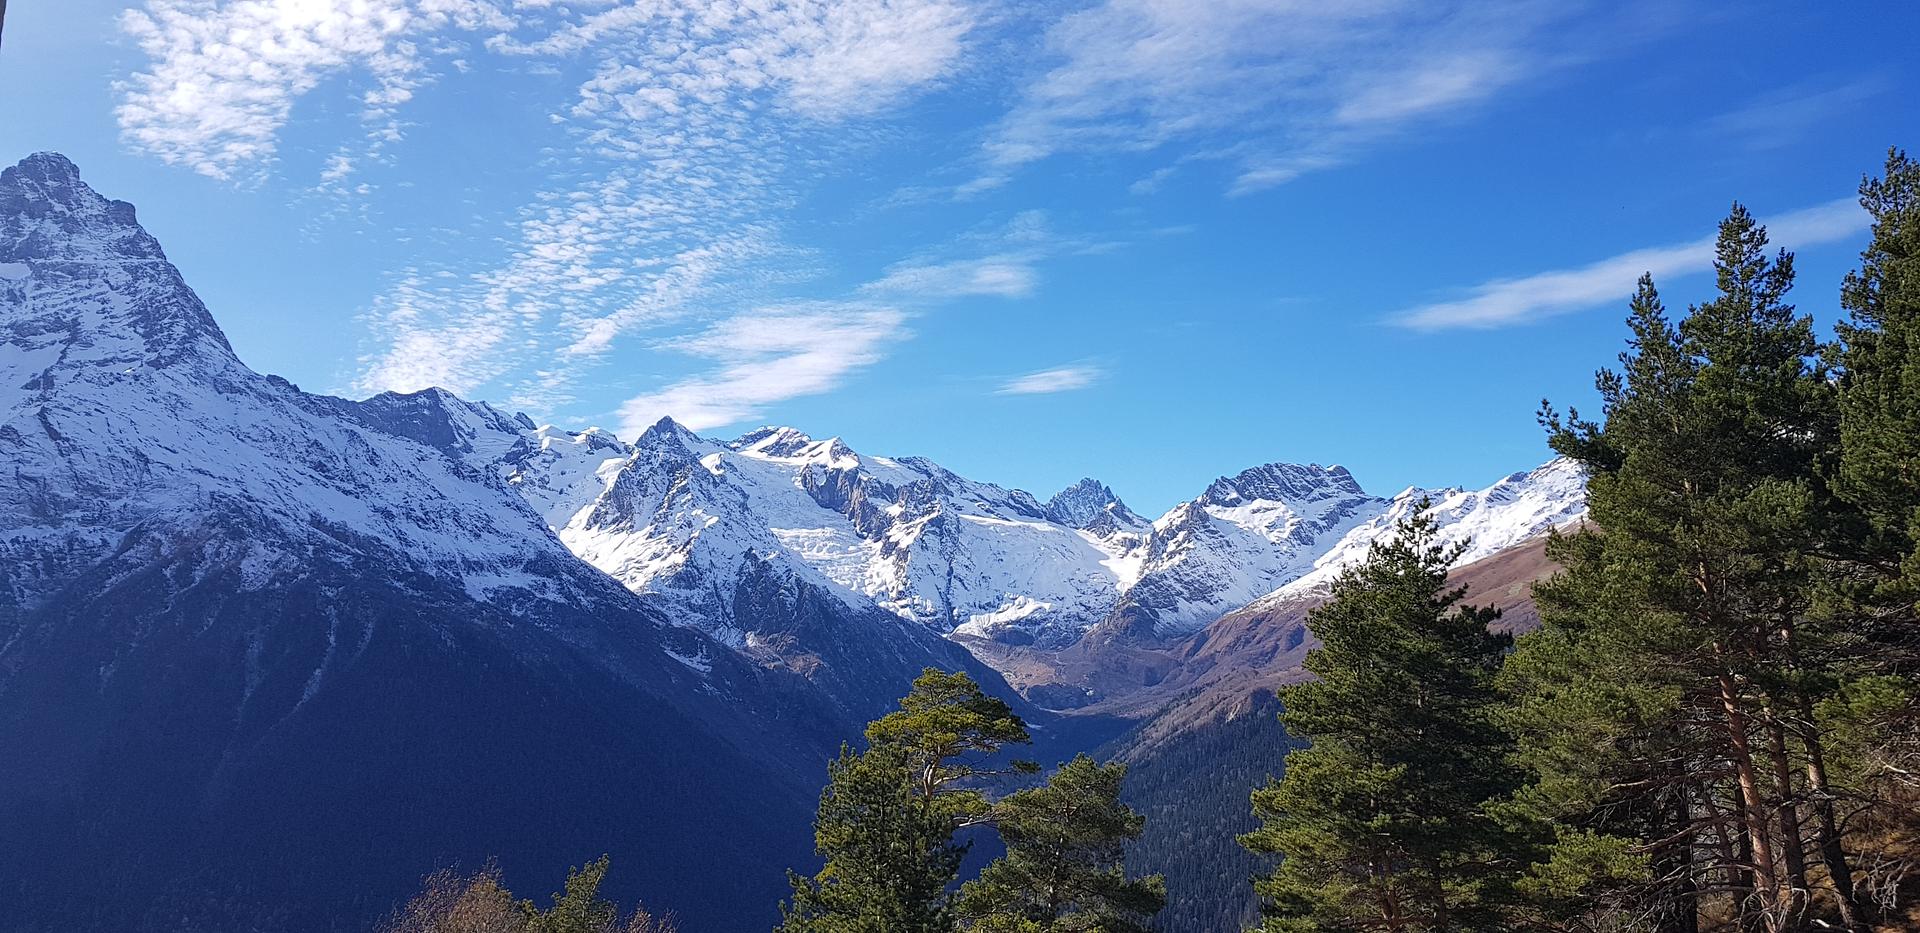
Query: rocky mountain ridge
[{"x": 678, "y": 516}]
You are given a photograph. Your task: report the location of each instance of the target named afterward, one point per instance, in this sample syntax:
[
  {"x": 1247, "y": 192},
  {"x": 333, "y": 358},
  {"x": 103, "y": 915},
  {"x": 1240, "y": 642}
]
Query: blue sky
[{"x": 1146, "y": 240}]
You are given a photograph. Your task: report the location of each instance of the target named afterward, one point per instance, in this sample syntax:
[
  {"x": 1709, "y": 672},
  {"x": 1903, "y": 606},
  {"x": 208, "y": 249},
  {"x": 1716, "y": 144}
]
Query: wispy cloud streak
[
  {"x": 666, "y": 207},
  {"x": 1509, "y": 302},
  {"x": 1047, "y": 381},
  {"x": 767, "y": 356},
  {"x": 686, "y": 128},
  {"x": 1273, "y": 88}
]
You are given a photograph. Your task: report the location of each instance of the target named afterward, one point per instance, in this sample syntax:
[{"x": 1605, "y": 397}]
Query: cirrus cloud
[
  {"x": 685, "y": 130},
  {"x": 224, "y": 75},
  {"x": 1058, "y": 379},
  {"x": 1271, "y": 88},
  {"x": 767, "y": 356},
  {"x": 1524, "y": 300}
]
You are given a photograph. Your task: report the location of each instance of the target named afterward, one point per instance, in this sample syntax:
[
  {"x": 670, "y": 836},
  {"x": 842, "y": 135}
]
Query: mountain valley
[{"x": 307, "y": 645}]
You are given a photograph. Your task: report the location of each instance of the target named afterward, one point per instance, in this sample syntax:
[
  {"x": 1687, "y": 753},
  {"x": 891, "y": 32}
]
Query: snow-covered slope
[
  {"x": 1243, "y": 537},
  {"x": 1518, "y": 508},
  {"x": 233, "y": 614},
  {"x": 124, "y": 407},
  {"x": 681, "y": 518}
]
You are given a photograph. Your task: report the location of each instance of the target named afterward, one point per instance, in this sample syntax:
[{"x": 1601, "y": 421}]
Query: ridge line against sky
[{"x": 981, "y": 230}]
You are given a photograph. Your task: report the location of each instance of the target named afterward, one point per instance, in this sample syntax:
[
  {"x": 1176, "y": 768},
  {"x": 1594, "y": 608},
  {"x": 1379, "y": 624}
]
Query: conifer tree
[
  {"x": 888, "y": 815},
  {"x": 577, "y": 907},
  {"x": 890, "y": 854},
  {"x": 1879, "y": 357},
  {"x": 1386, "y": 819},
  {"x": 1874, "y": 576},
  {"x": 1064, "y": 869},
  {"x": 1600, "y": 690},
  {"x": 1679, "y": 643}
]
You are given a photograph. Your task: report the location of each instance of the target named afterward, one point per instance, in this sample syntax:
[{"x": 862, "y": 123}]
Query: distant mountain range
[
  {"x": 678, "y": 517},
  {"x": 266, "y": 657},
  {"x": 688, "y": 521}
]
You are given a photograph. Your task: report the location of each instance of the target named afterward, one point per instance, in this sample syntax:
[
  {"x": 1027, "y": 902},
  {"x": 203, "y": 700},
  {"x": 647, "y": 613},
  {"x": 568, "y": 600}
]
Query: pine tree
[
  {"x": 890, "y": 854},
  {"x": 1386, "y": 820},
  {"x": 1879, "y": 357},
  {"x": 888, "y": 815},
  {"x": 1065, "y": 864},
  {"x": 1679, "y": 643},
  {"x": 1600, "y": 691},
  {"x": 577, "y": 907},
  {"x": 1874, "y": 576}
]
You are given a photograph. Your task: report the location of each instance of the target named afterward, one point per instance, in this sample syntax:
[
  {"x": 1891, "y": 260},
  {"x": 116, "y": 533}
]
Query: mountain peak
[
  {"x": 773, "y": 441},
  {"x": 1084, "y": 503},
  {"x": 48, "y": 165},
  {"x": 667, "y": 433},
  {"x": 48, "y": 213},
  {"x": 442, "y": 420},
  {"x": 1283, "y": 482},
  {"x": 784, "y": 443},
  {"x": 77, "y": 271}
]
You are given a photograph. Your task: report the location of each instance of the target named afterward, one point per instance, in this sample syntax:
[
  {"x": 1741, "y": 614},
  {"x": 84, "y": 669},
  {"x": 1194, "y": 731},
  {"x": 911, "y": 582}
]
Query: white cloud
[
  {"x": 1506, "y": 302},
  {"x": 684, "y": 134},
  {"x": 1004, "y": 276},
  {"x": 224, "y": 76},
  {"x": 1427, "y": 86},
  {"x": 428, "y": 347},
  {"x": 1058, "y": 379},
  {"x": 1789, "y": 114},
  {"x": 765, "y": 357},
  {"x": 826, "y": 60},
  {"x": 1273, "y": 87},
  {"x": 672, "y": 200},
  {"x": 998, "y": 260}
]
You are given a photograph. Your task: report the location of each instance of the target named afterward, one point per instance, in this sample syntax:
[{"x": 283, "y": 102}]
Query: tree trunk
[
  {"x": 1686, "y": 917},
  {"x": 1753, "y": 807},
  {"x": 1835, "y": 857},
  {"x": 1736, "y": 874},
  {"x": 1793, "y": 904},
  {"x": 1748, "y": 890}
]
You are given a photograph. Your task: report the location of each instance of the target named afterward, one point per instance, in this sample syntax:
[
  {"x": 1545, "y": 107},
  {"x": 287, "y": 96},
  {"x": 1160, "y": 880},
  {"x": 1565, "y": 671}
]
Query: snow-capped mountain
[
  {"x": 259, "y": 647},
  {"x": 1518, "y": 508},
  {"x": 125, "y": 410},
  {"x": 1242, "y": 538},
  {"x": 1090, "y": 506},
  {"x": 705, "y": 550},
  {"x": 680, "y": 518},
  {"x": 304, "y": 644}
]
